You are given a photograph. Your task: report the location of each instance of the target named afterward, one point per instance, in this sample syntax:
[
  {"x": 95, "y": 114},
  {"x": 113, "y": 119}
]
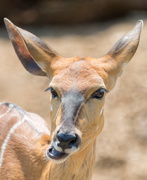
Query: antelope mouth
[{"x": 56, "y": 155}]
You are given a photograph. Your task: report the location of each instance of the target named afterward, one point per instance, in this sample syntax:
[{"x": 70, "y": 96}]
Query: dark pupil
[
  {"x": 54, "y": 93},
  {"x": 98, "y": 94}
]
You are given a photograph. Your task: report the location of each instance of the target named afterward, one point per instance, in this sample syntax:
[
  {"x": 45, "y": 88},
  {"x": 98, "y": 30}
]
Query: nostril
[{"x": 74, "y": 142}]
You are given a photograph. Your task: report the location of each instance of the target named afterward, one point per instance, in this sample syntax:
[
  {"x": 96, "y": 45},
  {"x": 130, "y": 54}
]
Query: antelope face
[
  {"x": 77, "y": 97},
  {"x": 77, "y": 87}
]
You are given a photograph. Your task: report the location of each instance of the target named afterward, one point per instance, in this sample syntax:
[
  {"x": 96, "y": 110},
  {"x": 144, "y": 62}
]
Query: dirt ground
[{"x": 122, "y": 145}]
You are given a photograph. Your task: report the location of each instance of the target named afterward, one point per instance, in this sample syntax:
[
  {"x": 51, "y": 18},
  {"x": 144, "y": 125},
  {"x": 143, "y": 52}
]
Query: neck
[{"x": 78, "y": 166}]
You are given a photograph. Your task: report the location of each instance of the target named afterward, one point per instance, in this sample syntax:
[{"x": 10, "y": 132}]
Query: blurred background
[{"x": 85, "y": 28}]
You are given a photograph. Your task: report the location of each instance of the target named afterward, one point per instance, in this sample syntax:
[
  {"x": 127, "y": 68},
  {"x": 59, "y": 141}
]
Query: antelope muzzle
[{"x": 64, "y": 145}]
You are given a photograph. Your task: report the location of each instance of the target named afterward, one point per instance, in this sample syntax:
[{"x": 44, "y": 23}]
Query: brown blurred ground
[{"x": 122, "y": 145}]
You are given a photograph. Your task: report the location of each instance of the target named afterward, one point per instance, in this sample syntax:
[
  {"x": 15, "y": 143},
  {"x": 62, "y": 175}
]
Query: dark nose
[{"x": 67, "y": 141}]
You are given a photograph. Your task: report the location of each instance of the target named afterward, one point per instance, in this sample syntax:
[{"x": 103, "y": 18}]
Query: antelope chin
[{"x": 56, "y": 156}]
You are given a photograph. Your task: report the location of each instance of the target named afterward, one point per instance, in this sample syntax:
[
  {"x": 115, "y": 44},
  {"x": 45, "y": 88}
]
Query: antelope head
[{"x": 77, "y": 87}]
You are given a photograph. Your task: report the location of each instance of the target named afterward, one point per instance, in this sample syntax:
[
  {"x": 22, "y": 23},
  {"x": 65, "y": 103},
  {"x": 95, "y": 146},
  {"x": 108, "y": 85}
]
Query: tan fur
[{"x": 27, "y": 147}]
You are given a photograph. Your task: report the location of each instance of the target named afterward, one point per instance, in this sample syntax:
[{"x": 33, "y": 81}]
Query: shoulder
[{"x": 13, "y": 116}]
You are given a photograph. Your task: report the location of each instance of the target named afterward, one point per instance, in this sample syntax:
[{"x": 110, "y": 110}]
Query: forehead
[{"x": 79, "y": 75}]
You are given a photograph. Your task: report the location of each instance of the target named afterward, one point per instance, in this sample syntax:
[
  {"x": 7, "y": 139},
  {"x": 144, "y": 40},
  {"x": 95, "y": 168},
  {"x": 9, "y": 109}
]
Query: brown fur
[{"x": 27, "y": 149}]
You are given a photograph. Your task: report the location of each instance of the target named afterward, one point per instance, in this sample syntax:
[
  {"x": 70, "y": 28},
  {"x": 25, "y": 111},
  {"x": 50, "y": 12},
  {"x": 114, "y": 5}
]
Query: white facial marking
[
  {"x": 51, "y": 108},
  {"x": 71, "y": 150},
  {"x": 57, "y": 147},
  {"x": 101, "y": 111},
  {"x": 58, "y": 161},
  {"x": 68, "y": 151}
]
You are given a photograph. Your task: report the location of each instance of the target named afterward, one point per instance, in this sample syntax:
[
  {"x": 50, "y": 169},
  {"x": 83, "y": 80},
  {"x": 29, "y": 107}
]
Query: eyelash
[
  {"x": 98, "y": 94},
  {"x": 53, "y": 92}
]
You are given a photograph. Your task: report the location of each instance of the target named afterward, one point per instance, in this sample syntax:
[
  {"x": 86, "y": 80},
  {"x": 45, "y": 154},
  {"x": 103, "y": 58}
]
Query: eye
[
  {"x": 53, "y": 92},
  {"x": 98, "y": 94}
]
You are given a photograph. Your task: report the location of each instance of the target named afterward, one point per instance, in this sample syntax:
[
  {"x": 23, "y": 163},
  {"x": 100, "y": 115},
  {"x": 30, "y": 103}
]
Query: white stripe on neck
[
  {"x": 8, "y": 110},
  {"x": 12, "y": 130}
]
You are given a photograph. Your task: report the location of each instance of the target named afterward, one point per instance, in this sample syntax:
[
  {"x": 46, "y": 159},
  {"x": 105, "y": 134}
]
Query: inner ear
[
  {"x": 121, "y": 53},
  {"x": 35, "y": 55},
  {"x": 125, "y": 48},
  {"x": 21, "y": 50}
]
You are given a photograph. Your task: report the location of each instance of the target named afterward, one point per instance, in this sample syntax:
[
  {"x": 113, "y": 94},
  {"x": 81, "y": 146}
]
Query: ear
[
  {"x": 122, "y": 52},
  {"x": 35, "y": 55}
]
